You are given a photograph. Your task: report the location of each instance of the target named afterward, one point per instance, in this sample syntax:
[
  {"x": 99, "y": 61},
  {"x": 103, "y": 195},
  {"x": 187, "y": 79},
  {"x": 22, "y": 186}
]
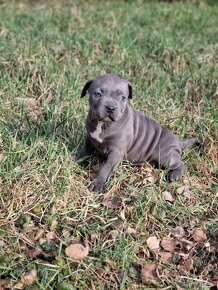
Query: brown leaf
[
  {"x": 5, "y": 283},
  {"x": 181, "y": 189},
  {"x": 165, "y": 256},
  {"x": 29, "y": 103},
  {"x": 184, "y": 191},
  {"x": 77, "y": 251},
  {"x": 142, "y": 254},
  {"x": 112, "y": 202},
  {"x": 50, "y": 235},
  {"x": 151, "y": 177},
  {"x": 149, "y": 273},
  {"x": 118, "y": 224},
  {"x": 19, "y": 286},
  {"x": 122, "y": 214},
  {"x": 199, "y": 236},
  {"x": 188, "y": 265},
  {"x": 29, "y": 278},
  {"x": 39, "y": 234},
  {"x": 168, "y": 244},
  {"x": 54, "y": 224},
  {"x": 110, "y": 262},
  {"x": 178, "y": 232},
  {"x": 33, "y": 116},
  {"x": 168, "y": 196},
  {"x": 34, "y": 253},
  {"x": 114, "y": 234},
  {"x": 94, "y": 236},
  {"x": 153, "y": 243},
  {"x": 130, "y": 230}
]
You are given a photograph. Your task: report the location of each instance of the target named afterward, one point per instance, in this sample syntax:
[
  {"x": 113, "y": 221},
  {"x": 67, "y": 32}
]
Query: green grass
[{"x": 48, "y": 50}]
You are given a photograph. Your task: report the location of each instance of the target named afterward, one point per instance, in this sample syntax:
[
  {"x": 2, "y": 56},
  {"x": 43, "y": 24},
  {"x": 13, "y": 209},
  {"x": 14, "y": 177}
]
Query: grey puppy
[{"x": 119, "y": 132}]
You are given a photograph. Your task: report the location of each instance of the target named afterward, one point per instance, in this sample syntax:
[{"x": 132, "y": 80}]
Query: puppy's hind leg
[
  {"x": 86, "y": 150},
  {"x": 176, "y": 167}
]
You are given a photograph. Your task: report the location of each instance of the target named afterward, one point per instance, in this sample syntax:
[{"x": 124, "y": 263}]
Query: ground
[{"x": 142, "y": 233}]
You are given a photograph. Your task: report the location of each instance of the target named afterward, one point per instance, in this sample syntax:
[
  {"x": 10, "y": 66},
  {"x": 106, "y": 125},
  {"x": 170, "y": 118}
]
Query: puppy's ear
[
  {"x": 86, "y": 87},
  {"x": 130, "y": 90}
]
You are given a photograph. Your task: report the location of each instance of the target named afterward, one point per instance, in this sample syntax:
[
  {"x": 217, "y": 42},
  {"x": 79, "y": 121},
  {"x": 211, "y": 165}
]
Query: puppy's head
[{"x": 108, "y": 96}]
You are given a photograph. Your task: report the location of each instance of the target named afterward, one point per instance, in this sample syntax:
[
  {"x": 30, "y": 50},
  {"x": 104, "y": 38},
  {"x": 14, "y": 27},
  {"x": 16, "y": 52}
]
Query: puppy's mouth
[{"x": 104, "y": 116}]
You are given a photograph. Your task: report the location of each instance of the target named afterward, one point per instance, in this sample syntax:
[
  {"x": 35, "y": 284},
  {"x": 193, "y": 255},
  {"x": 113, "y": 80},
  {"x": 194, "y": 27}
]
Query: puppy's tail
[{"x": 191, "y": 142}]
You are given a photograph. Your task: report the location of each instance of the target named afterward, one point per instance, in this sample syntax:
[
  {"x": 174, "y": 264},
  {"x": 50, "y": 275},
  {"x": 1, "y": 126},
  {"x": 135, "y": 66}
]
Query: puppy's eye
[
  {"x": 122, "y": 98},
  {"x": 98, "y": 94}
]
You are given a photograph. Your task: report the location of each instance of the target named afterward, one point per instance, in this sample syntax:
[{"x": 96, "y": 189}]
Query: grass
[{"x": 47, "y": 52}]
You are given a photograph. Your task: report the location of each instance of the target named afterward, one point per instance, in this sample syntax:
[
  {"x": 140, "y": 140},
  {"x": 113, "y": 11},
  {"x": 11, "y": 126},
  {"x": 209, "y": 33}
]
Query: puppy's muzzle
[{"x": 110, "y": 108}]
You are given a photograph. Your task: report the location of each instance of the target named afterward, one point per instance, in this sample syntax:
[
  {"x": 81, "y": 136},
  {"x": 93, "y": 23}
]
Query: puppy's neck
[{"x": 96, "y": 133}]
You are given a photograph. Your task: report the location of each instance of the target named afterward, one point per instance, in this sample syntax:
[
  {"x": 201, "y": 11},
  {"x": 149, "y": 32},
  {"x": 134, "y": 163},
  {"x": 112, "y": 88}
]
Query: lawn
[{"x": 143, "y": 233}]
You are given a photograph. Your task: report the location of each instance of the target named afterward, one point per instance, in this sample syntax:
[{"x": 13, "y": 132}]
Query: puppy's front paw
[
  {"x": 175, "y": 174},
  {"x": 171, "y": 177},
  {"x": 96, "y": 186}
]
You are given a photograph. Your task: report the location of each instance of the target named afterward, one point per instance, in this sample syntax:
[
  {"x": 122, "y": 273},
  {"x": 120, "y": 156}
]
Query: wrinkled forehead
[{"x": 110, "y": 84}]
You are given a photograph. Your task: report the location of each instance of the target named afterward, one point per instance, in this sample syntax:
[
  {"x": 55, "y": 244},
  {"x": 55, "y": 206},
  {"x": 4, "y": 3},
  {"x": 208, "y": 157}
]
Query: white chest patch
[{"x": 96, "y": 134}]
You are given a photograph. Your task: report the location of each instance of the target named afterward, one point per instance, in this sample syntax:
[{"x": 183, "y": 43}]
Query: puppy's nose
[{"x": 110, "y": 108}]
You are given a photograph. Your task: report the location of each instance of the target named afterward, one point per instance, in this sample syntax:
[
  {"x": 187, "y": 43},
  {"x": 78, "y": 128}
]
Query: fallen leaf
[
  {"x": 33, "y": 253},
  {"x": 149, "y": 273},
  {"x": 77, "y": 251},
  {"x": 94, "y": 236},
  {"x": 93, "y": 285},
  {"x": 168, "y": 244},
  {"x": 188, "y": 265},
  {"x": 29, "y": 103},
  {"x": 184, "y": 191},
  {"x": 178, "y": 232},
  {"x": 151, "y": 177},
  {"x": 29, "y": 278},
  {"x": 54, "y": 224},
  {"x": 118, "y": 224},
  {"x": 110, "y": 262},
  {"x": 122, "y": 215},
  {"x": 18, "y": 285},
  {"x": 114, "y": 234},
  {"x": 153, "y": 243},
  {"x": 50, "y": 235},
  {"x": 130, "y": 230},
  {"x": 167, "y": 196},
  {"x": 199, "y": 236},
  {"x": 2, "y": 243},
  {"x": 33, "y": 116},
  {"x": 38, "y": 234},
  {"x": 165, "y": 256},
  {"x": 5, "y": 283},
  {"x": 142, "y": 254},
  {"x": 181, "y": 189},
  {"x": 112, "y": 202},
  {"x": 120, "y": 275}
]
